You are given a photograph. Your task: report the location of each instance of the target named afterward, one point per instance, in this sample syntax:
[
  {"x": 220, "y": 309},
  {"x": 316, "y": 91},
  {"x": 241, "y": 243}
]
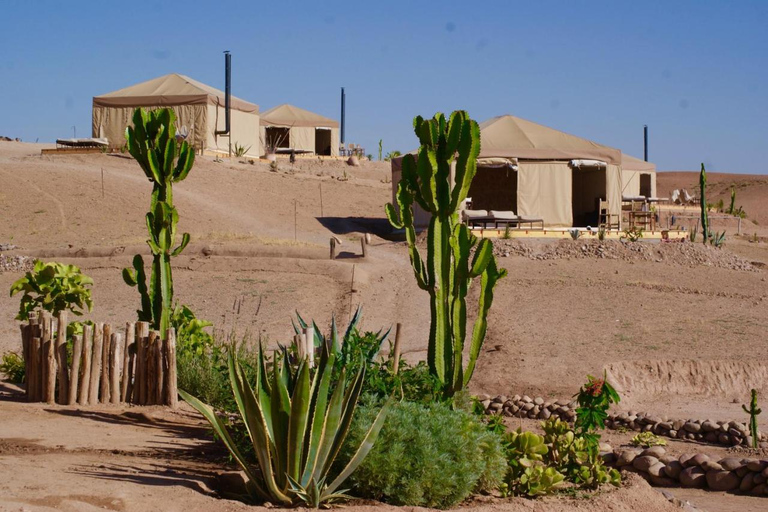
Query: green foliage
[
  {"x": 753, "y": 411},
  {"x": 717, "y": 239},
  {"x": 507, "y": 234},
  {"x": 392, "y": 155},
  {"x": 633, "y": 234},
  {"x": 648, "y": 439},
  {"x": 595, "y": 398},
  {"x": 381, "y": 142},
  {"x": 12, "y": 366},
  {"x": 241, "y": 151},
  {"x": 152, "y": 142},
  {"x": 296, "y": 429},
  {"x": 601, "y": 233},
  {"x": 575, "y": 234},
  {"x": 448, "y": 271},
  {"x": 693, "y": 233},
  {"x": 190, "y": 330},
  {"x": 427, "y": 455},
  {"x": 732, "y": 206},
  {"x": 54, "y": 287},
  {"x": 528, "y": 475},
  {"x": 704, "y": 214}
]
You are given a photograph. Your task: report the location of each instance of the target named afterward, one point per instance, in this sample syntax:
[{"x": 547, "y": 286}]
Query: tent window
[
  {"x": 588, "y": 187},
  {"x": 645, "y": 185},
  {"x": 494, "y": 189},
  {"x": 322, "y": 142},
  {"x": 277, "y": 137}
]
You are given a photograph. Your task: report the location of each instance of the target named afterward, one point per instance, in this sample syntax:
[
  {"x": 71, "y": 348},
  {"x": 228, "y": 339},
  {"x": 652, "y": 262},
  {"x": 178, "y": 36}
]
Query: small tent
[
  {"x": 540, "y": 172},
  {"x": 638, "y": 177},
  {"x": 199, "y": 109},
  {"x": 286, "y": 127}
]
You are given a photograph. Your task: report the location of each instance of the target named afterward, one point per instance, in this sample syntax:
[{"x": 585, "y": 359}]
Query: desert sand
[{"x": 682, "y": 334}]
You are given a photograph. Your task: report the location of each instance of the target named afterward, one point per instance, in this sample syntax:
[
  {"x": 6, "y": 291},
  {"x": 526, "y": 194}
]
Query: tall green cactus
[
  {"x": 753, "y": 411},
  {"x": 703, "y": 201},
  {"x": 152, "y": 142},
  {"x": 447, "y": 273},
  {"x": 732, "y": 207}
]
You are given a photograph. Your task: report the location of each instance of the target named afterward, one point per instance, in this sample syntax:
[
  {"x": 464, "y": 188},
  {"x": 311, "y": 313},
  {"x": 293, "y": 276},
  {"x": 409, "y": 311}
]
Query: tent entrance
[
  {"x": 323, "y": 141},
  {"x": 645, "y": 185},
  {"x": 494, "y": 188},
  {"x": 588, "y": 186},
  {"x": 277, "y": 137}
]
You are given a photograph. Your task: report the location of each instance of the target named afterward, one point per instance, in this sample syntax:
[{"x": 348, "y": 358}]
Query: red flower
[{"x": 595, "y": 387}]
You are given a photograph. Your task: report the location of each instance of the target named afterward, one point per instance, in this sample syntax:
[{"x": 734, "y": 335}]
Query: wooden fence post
[
  {"x": 61, "y": 357},
  {"x": 105, "y": 366},
  {"x": 333, "y": 248},
  {"x": 50, "y": 359},
  {"x": 363, "y": 245},
  {"x": 74, "y": 376},
  {"x": 128, "y": 358},
  {"x": 151, "y": 370},
  {"x": 309, "y": 339},
  {"x": 396, "y": 355},
  {"x": 140, "y": 386},
  {"x": 171, "y": 384},
  {"x": 96, "y": 361},
  {"x": 83, "y": 394},
  {"x": 25, "y": 336},
  {"x": 115, "y": 363},
  {"x": 159, "y": 370}
]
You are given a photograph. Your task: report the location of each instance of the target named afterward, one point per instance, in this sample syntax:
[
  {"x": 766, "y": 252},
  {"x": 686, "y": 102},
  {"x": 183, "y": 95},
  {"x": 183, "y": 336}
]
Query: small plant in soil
[
  {"x": 575, "y": 234},
  {"x": 12, "y": 365},
  {"x": 647, "y": 439},
  {"x": 633, "y": 234},
  {"x": 753, "y": 411}
]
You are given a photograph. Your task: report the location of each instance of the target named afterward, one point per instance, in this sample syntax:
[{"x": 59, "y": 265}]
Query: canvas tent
[
  {"x": 288, "y": 127},
  {"x": 638, "y": 177},
  {"x": 198, "y": 107},
  {"x": 539, "y": 172}
]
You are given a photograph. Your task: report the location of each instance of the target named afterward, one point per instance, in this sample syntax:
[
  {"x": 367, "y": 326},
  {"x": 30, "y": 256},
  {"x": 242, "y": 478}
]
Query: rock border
[{"x": 724, "y": 433}]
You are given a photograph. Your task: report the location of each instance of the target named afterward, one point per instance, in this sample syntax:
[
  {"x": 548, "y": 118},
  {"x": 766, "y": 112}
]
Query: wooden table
[{"x": 645, "y": 220}]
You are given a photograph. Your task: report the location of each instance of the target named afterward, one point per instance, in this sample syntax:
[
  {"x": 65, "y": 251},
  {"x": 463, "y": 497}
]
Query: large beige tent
[
  {"x": 638, "y": 177},
  {"x": 286, "y": 127},
  {"x": 199, "y": 108},
  {"x": 539, "y": 172}
]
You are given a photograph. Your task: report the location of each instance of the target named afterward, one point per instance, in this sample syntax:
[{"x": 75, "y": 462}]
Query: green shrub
[
  {"x": 53, "y": 287},
  {"x": 647, "y": 439},
  {"x": 426, "y": 455},
  {"x": 190, "y": 330},
  {"x": 12, "y": 366}
]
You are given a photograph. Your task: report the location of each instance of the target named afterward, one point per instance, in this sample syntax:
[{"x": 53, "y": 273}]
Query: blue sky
[{"x": 694, "y": 71}]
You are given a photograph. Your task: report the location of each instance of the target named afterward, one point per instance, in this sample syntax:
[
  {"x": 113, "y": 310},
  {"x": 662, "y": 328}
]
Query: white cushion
[
  {"x": 475, "y": 214},
  {"x": 503, "y": 215}
]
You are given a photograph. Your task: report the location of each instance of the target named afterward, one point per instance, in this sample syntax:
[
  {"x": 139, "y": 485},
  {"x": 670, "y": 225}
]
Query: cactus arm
[
  {"x": 184, "y": 241},
  {"x": 427, "y": 183},
  {"x": 184, "y": 165},
  {"x": 461, "y": 245},
  {"x": 466, "y": 164},
  {"x": 483, "y": 256},
  {"x": 703, "y": 201},
  {"x": 488, "y": 281}
]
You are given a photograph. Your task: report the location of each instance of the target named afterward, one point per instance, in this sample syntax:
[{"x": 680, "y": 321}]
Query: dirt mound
[
  {"x": 685, "y": 254},
  {"x": 690, "y": 378}
]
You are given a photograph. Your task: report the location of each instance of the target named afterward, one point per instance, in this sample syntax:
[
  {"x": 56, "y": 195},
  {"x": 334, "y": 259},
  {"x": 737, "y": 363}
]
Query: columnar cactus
[
  {"x": 447, "y": 272},
  {"x": 152, "y": 142},
  {"x": 703, "y": 201},
  {"x": 753, "y": 411}
]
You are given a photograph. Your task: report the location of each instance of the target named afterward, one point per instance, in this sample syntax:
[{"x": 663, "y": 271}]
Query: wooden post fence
[{"x": 131, "y": 365}]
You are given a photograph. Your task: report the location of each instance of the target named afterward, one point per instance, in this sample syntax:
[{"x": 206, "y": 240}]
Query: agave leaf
[
  {"x": 318, "y": 418},
  {"x": 297, "y": 423}
]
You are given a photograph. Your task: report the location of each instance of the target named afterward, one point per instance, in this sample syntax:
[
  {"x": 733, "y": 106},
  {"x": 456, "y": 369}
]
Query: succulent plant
[{"x": 753, "y": 411}]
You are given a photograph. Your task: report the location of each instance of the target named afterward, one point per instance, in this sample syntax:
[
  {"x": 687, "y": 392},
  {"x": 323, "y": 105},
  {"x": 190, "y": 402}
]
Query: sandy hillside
[{"x": 682, "y": 328}]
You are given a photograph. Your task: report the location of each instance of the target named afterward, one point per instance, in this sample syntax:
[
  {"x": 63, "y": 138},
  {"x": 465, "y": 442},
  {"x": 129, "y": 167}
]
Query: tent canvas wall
[
  {"x": 559, "y": 177},
  {"x": 198, "y": 107},
  {"x": 638, "y": 177},
  {"x": 307, "y": 131}
]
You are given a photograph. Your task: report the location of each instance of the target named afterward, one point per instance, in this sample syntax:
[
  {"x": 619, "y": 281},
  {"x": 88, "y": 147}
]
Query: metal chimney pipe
[
  {"x": 227, "y": 92},
  {"x": 343, "y": 105},
  {"x": 645, "y": 142}
]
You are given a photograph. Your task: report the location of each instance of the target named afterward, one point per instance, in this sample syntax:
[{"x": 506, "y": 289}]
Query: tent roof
[
  {"x": 630, "y": 163},
  {"x": 289, "y": 115},
  {"x": 512, "y": 137},
  {"x": 170, "y": 90}
]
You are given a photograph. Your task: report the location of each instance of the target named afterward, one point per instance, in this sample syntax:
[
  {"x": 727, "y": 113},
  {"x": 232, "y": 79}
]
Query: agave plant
[{"x": 296, "y": 429}]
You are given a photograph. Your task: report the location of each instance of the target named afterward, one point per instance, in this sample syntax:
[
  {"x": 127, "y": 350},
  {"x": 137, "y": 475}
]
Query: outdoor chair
[
  {"x": 689, "y": 199},
  {"x": 675, "y": 198},
  {"x": 606, "y": 219}
]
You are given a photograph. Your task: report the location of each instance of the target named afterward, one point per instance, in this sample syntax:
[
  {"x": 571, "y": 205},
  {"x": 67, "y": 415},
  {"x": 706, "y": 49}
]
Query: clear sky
[{"x": 695, "y": 71}]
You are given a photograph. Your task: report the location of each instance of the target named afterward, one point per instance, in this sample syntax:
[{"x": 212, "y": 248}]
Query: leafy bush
[
  {"x": 633, "y": 234},
  {"x": 427, "y": 455},
  {"x": 12, "y": 366},
  {"x": 53, "y": 287},
  {"x": 190, "y": 330}
]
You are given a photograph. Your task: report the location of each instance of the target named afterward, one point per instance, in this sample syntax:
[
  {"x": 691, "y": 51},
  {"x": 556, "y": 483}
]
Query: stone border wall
[
  {"x": 728, "y": 433},
  {"x": 696, "y": 470}
]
